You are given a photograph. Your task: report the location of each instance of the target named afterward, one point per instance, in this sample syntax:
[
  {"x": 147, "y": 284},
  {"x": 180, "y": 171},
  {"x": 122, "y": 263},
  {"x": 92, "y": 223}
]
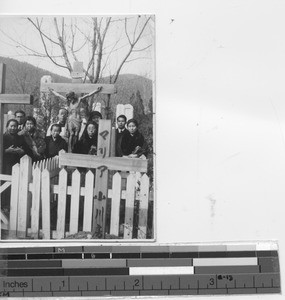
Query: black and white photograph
[
  {"x": 142, "y": 149},
  {"x": 77, "y": 127}
]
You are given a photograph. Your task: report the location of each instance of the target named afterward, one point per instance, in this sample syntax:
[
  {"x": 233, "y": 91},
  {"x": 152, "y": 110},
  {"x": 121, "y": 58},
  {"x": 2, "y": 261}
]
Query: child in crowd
[
  {"x": 88, "y": 141},
  {"x": 54, "y": 142},
  {"x": 133, "y": 143},
  {"x": 61, "y": 117}
]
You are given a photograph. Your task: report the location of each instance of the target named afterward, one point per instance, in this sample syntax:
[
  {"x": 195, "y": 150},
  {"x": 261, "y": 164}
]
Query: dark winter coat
[
  {"x": 10, "y": 159},
  {"x": 130, "y": 143},
  {"x": 54, "y": 146}
]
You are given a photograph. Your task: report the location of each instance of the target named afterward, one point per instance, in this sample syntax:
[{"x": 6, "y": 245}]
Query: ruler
[{"x": 133, "y": 270}]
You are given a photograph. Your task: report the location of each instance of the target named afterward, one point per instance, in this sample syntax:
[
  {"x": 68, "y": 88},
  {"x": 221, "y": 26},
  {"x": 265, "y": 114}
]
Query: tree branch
[
  {"x": 62, "y": 46},
  {"x": 40, "y": 30},
  {"x": 130, "y": 51},
  {"x": 45, "y": 47}
]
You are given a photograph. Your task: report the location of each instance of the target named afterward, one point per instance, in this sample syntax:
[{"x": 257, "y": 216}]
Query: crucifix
[
  {"x": 8, "y": 99},
  {"x": 71, "y": 89}
]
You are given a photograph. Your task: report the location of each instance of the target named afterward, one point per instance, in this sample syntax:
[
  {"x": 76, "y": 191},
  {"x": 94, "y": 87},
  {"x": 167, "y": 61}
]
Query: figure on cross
[{"x": 74, "y": 113}]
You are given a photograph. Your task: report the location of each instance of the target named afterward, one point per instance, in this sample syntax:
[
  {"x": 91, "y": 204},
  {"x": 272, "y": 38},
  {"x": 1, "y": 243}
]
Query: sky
[{"x": 18, "y": 39}]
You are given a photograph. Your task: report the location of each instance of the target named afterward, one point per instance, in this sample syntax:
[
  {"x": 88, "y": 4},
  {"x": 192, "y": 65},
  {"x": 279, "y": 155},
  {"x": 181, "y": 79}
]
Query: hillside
[{"x": 25, "y": 78}]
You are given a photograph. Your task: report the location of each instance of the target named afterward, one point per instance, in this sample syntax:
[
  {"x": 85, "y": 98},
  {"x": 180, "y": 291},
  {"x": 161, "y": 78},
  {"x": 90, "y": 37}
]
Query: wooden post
[
  {"x": 8, "y": 99},
  {"x": 101, "y": 179}
]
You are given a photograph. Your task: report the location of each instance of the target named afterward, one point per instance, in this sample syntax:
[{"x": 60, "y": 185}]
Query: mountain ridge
[{"x": 24, "y": 78}]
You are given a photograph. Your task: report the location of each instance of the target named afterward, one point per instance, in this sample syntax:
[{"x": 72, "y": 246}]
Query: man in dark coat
[{"x": 120, "y": 132}]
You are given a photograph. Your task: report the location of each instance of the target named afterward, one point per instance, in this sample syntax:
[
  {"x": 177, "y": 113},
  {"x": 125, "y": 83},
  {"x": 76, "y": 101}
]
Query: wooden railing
[{"x": 43, "y": 190}]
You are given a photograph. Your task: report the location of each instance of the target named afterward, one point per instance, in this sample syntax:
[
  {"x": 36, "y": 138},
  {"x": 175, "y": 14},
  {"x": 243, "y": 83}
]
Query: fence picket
[
  {"x": 60, "y": 228},
  {"x": 129, "y": 210},
  {"x": 144, "y": 196},
  {"x": 37, "y": 178},
  {"x": 40, "y": 164},
  {"x": 88, "y": 201},
  {"x": 35, "y": 212},
  {"x": 14, "y": 201},
  {"x": 115, "y": 204},
  {"x": 75, "y": 197},
  {"x": 23, "y": 205},
  {"x": 49, "y": 164},
  {"x": 46, "y": 204}
]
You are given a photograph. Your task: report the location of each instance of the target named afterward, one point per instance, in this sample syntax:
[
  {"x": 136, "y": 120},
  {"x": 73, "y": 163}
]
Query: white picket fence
[{"x": 45, "y": 189}]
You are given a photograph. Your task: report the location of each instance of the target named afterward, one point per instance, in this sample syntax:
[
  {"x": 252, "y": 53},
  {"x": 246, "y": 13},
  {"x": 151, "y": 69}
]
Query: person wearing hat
[
  {"x": 133, "y": 144},
  {"x": 95, "y": 116}
]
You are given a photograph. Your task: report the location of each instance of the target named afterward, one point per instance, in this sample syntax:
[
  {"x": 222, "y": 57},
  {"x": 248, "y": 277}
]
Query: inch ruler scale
[{"x": 133, "y": 270}]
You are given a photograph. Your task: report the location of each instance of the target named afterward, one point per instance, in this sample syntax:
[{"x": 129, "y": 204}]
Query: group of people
[{"x": 23, "y": 137}]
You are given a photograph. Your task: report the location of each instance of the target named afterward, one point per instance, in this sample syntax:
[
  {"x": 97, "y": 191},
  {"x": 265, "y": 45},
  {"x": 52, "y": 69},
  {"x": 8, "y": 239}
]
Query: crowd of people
[{"x": 23, "y": 137}]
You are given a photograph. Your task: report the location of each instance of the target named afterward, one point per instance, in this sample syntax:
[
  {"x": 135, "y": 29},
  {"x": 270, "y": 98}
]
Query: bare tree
[{"x": 64, "y": 41}]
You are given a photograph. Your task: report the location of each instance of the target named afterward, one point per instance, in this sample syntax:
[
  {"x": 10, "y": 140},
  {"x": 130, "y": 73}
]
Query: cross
[
  {"x": 77, "y": 87},
  {"x": 8, "y": 99}
]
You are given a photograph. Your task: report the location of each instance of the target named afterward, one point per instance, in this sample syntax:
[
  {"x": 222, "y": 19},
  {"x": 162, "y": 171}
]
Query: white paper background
[{"x": 220, "y": 70}]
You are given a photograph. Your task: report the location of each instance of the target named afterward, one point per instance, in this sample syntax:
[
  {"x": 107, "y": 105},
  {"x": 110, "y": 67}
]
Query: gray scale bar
[
  {"x": 159, "y": 262},
  {"x": 269, "y": 264},
  {"x": 226, "y": 269}
]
